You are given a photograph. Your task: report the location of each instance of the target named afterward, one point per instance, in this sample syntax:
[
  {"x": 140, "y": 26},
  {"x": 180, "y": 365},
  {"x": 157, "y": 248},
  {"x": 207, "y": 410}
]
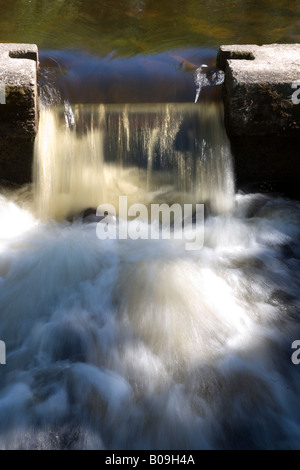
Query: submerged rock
[{"x": 89, "y": 215}]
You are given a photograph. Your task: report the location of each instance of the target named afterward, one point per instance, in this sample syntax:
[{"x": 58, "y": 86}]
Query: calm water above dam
[{"x": 142, "y": 344}]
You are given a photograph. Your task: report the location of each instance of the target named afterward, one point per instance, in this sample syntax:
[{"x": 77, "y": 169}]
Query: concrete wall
[
  {"x": 18, "y": 111},
  {"x": 262, "y": 111}
]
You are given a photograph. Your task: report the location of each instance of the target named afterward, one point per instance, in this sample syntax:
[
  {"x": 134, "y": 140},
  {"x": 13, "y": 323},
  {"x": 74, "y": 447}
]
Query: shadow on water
[{"x": 132, "y": 27}]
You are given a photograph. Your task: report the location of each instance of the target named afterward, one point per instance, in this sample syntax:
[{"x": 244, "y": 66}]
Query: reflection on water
[
  {"x": 131, "y": 27},
  {"x": 168, "y": 77}
]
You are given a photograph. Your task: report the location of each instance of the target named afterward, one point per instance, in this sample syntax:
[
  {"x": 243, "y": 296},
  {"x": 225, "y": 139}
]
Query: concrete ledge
[
  {"x": 262, "y": 109},
  {"x": 19, "y": 113}
]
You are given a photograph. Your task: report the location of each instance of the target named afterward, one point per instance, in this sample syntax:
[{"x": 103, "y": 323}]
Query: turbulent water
[{"x": 141, "y": 344}]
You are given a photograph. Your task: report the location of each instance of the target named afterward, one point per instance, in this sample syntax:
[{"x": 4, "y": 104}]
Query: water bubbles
[
  {"x": 69, "y": 115},
  {"x": 206, "y": 76}
]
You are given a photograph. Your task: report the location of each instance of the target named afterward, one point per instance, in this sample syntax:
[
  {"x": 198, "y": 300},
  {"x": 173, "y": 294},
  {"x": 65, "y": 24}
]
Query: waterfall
[
  {"x": 139, "y": 343},
  {"x": 90, "y": 155}
]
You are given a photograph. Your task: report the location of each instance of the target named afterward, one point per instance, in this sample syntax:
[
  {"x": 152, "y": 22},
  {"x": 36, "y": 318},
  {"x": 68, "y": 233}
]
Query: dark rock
[
  {"x": 89, "y": 215},
  {"x": 88, "y": 211}
]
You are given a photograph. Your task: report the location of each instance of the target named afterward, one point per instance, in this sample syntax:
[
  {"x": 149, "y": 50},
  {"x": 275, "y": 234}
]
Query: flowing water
[
  {"x": 141, "y": 344},
  {"x": 173, "y": 153}
]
